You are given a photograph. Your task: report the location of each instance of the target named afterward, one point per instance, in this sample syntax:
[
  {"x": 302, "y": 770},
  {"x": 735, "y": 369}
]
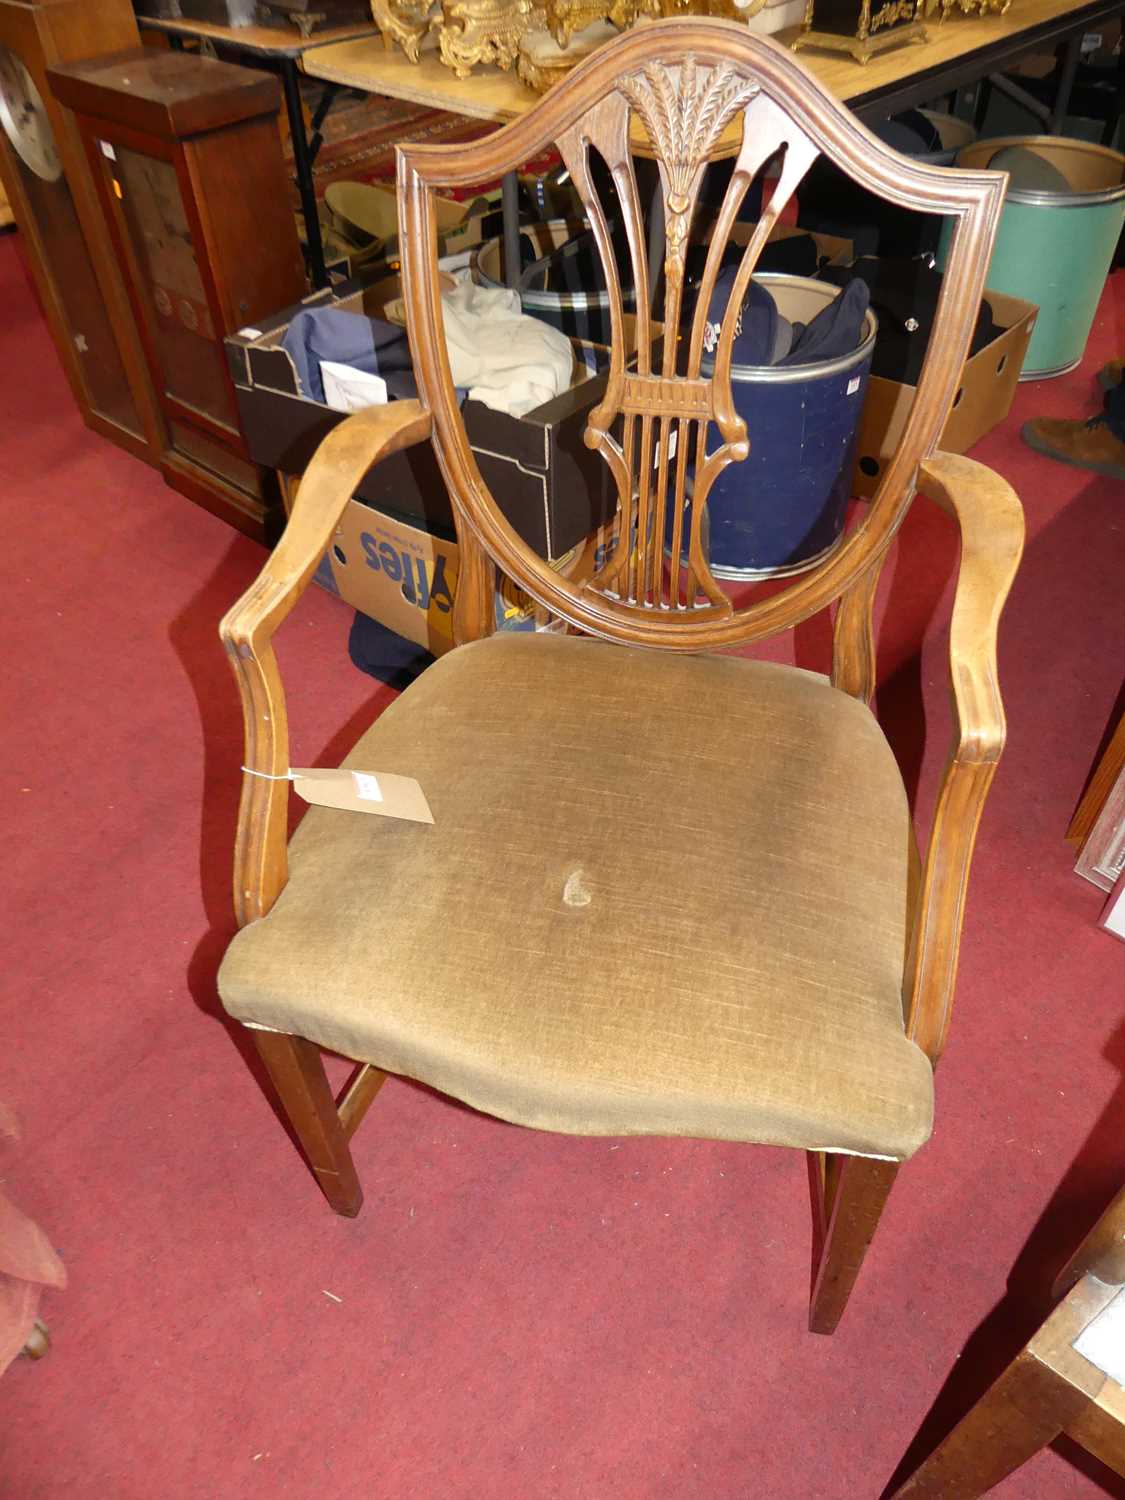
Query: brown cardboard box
[
  {"x": 406, "y": 578},
  {"x": 988, "y": 386},
  {"x": 401, "y": 575},
  {"x": 365, "y": 214},
  {"x": 552, "y": 488},
  {"x": 1034, "y": 65}
]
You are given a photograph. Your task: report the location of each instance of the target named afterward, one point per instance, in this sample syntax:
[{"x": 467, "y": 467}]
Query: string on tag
[{"x": 265, "y": 776}]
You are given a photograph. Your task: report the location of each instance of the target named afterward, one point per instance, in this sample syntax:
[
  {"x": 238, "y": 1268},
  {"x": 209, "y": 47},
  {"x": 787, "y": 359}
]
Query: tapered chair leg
[
  {"x": 848, "y": 1194},
  {"x": 297, "y": 1071}
]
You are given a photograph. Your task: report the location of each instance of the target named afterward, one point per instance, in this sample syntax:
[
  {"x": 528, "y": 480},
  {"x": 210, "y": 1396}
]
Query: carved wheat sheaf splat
[
  {"x": 652, "y": 427},
  {"x": 684, "y": 123}
]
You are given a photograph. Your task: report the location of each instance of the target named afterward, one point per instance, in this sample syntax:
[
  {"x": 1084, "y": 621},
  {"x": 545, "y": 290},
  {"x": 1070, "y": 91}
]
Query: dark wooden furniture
[
  {"x": 681, "y": 1005},
  {"x": 47, "y": 179},
  {"x": 280, "y": 49},
  {"x": 1068, "y": 1380},
  {"x": 1098, "y": 825},
  {"x": 187, "y": 160}
]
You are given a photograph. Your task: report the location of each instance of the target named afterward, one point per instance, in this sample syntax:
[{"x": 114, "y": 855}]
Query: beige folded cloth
[{"x": 504, "y": 358}]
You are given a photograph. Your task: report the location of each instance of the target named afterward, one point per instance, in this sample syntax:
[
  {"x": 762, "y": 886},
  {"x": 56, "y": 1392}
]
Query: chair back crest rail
[{"x": 685, "y": 81}]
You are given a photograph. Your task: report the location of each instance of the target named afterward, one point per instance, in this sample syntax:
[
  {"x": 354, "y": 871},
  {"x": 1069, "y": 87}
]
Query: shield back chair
[
  {"x": 1070, "y": 1379},
  {"x": 667, "y": 891}
]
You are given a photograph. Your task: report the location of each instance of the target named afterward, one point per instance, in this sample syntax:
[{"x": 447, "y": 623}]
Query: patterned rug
[{"x": 361, "y": 133}]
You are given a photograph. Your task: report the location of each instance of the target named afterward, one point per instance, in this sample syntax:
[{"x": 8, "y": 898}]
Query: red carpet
[{"x": 514, "y": 1316}]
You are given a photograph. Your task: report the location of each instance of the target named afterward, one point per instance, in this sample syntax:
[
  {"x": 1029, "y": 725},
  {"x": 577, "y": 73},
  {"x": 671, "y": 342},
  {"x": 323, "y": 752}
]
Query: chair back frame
[{"x": 673, "y": 88}]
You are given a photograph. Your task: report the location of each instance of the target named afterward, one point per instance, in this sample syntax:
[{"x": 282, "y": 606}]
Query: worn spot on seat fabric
[{"x": 575, "y": 891}]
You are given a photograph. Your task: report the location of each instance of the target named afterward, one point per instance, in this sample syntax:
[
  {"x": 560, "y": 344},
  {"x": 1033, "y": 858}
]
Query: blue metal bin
[{"x": 782, "y": 509}]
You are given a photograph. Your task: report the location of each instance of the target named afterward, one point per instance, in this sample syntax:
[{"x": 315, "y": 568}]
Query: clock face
[{"x": 24, "y": 118}]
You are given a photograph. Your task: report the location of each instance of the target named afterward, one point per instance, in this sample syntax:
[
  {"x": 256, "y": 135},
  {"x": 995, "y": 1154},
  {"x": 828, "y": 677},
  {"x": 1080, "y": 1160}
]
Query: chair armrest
[
  {"x": 990, "y": 518},
  {"x": 337, "y": 468}
]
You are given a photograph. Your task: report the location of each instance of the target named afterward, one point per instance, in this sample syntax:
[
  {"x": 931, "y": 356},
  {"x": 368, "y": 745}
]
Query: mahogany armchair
[
  {"x": 1069, "y": 1379},
  {"x": 666, "y": 891}
]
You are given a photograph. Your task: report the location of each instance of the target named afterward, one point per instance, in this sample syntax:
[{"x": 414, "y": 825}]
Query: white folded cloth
[{"x": 505, "y": 359}]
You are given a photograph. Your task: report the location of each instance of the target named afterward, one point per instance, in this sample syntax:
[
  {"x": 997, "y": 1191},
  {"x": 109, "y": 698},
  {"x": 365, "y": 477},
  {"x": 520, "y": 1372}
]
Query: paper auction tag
[{"x": 361, "y": 791}]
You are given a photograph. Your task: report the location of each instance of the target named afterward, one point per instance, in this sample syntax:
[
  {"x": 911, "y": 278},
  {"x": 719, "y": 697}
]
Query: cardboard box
[
  {"x": 365, "y": 215},
  {"x": 401, "y": 575},
  {"x": 983, "y": 400},
  {"x": 406, "y": 578},
  {"x": 1034, "y": 65},
  {"x": 550, "y": 486}
]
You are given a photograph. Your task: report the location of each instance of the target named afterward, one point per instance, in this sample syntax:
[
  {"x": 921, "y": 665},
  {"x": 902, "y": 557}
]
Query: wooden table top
[
  {"x": 491, "y": 94},
  {"x": 284, "y": 40}
]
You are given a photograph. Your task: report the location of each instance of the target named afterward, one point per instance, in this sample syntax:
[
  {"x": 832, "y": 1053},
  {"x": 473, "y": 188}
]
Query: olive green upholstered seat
[{"x": 661, "y": 894}]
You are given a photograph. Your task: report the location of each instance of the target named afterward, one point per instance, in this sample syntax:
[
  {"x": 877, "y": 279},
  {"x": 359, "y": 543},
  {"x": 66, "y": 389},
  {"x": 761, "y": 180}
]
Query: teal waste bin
[{"x": 1055, "y": 244}]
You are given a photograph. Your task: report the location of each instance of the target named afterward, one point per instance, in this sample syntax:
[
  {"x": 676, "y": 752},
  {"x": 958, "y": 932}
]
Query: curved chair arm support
[
  {"x": 337, "y": 468},
  {"x": 990, "y": 517},
  {"x": 853, "y": 635},
  {"x": 1101, "y": 1253}
]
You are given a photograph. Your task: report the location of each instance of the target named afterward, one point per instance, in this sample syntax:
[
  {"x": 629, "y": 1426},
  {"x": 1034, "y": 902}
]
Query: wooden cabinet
[
  {"x": 186, "y": 160},
  {"x": 64, "y": 239}
]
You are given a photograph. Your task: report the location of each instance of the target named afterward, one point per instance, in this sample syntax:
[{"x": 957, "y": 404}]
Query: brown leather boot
[
  {"x": 1111, "y": 374},
  {"x": 1085, "y": 445}
]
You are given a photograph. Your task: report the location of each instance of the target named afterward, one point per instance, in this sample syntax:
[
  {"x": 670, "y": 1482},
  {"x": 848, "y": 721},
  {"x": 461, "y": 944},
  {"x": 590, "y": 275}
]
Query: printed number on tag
[{"x": 367, "y": 786}]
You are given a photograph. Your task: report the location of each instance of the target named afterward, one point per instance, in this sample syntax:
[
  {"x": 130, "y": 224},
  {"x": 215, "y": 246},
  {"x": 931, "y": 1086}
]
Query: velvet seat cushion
[{"x": 662, "y": 894}]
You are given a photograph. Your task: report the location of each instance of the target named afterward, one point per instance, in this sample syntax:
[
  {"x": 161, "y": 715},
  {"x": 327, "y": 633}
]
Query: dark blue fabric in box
[{"x": 348, "y": 338}]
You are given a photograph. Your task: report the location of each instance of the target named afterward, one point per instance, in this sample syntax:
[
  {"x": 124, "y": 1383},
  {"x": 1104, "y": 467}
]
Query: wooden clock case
[
  {"x": 186, "y": 158},
  {"x": 62, "y": 232}
]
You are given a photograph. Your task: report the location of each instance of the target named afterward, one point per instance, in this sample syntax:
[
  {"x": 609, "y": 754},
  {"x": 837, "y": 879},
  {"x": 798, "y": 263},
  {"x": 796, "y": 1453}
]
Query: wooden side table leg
[{"x": 1027, "y": 1408}]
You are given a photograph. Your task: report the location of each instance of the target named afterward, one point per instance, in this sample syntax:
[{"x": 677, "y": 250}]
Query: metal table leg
[
  {"x": 302, "y": 166},
  {"x": 1109, "y": 129},
  {"x": 1066, "y": 83},
  {"x": 981, "y": 102},
  {"x": 320, "y": 114},
  {"x": 510, "y": 209}
]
